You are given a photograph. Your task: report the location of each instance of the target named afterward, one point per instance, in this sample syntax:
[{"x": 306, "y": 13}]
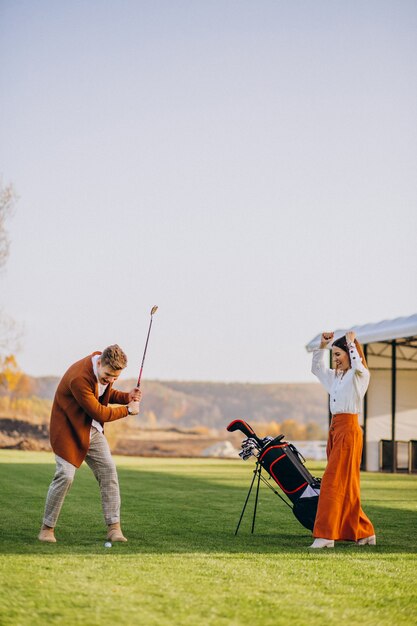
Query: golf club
[
  {"x": 245, "y": 429},
  {"x": 153, "y": 311}
]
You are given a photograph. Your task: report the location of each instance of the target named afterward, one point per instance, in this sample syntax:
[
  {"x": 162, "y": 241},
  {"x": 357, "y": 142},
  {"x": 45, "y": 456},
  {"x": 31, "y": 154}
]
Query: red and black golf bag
[{"x": 284, "y": 463}]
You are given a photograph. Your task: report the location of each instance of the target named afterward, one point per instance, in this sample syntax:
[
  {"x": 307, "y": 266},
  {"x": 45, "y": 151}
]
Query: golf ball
[{"x": 107, "y": 544}]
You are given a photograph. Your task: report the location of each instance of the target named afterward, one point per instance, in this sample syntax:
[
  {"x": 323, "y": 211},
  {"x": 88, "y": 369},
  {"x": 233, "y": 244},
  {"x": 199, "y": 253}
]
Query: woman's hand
[
  {"x": 325, "y": 339},
  {"x": 350, "y": 336}
]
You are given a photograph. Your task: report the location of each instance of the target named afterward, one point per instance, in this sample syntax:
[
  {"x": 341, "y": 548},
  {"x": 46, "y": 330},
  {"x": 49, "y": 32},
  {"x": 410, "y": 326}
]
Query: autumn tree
[
  {"x": 314, "y": 431},
  {"x": 13, "y": 381},
  {"x": 293, "y": 430}
]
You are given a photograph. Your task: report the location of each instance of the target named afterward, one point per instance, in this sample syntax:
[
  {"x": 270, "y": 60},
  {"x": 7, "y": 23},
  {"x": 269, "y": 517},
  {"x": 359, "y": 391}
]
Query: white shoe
[
  {"x": 367, "y": 541},
  {"x": 322, "y": 543}
]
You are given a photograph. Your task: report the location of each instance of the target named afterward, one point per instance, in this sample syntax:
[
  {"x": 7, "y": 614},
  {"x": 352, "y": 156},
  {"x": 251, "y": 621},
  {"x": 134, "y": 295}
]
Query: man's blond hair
[{"x": 114, "y": 357}]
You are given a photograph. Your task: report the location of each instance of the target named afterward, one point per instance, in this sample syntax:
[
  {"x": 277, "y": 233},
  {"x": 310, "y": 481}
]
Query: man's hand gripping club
[{"x": 134, "y": 401}]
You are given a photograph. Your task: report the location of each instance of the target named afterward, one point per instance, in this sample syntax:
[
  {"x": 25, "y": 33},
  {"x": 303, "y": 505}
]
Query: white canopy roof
[{"x": 381, "y": 331}]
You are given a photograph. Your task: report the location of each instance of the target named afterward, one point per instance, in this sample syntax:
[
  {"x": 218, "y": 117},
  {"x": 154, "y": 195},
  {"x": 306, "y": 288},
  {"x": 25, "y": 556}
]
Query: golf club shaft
[{"x": 144, "y": 353}]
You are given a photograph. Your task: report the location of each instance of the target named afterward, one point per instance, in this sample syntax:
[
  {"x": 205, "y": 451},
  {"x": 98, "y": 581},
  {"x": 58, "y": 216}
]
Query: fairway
[{"x": 183, "y": 565}]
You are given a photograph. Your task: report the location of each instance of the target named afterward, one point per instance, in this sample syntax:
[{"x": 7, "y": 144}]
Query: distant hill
[
  {"x": 192, "y": 404},
  {"x": 177, "y": 418}
]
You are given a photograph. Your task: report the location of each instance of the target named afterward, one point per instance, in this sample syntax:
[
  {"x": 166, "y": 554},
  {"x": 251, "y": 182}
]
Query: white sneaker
[
  {"x": 322, "y": 543},
  {"x": 367, "y": 541}
]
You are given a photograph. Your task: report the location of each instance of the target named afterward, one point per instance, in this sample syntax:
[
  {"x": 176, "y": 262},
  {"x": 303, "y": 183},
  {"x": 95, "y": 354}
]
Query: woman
[{"x": 339, "y": 513}]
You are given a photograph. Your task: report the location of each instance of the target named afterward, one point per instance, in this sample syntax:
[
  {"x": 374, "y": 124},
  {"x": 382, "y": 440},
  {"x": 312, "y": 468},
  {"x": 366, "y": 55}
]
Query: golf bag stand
[
  {"x": 285, "y": 465},
  {"x": 256, "y": 473}
]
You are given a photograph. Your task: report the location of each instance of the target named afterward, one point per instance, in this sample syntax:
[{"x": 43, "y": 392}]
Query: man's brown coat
[{"x": 75, "y": 405}]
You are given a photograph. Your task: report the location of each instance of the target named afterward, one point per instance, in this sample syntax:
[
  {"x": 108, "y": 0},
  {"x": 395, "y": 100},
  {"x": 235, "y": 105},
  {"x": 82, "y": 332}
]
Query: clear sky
[{"x": 247, "y": 165}]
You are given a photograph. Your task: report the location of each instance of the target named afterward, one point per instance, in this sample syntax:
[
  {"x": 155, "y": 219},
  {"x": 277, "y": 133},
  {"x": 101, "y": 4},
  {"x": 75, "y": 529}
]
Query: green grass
[{"x": 183, "y": 565}]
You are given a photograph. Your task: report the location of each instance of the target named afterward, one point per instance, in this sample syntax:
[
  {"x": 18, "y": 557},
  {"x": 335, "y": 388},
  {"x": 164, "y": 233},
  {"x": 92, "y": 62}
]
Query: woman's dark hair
[{"x": 342, "y": 344}]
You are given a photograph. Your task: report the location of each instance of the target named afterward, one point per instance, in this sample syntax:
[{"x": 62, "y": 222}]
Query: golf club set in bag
[{"x": 285, "y": 465}]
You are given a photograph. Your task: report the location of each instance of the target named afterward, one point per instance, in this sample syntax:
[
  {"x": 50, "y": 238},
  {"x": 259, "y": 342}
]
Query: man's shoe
[
  {"x": 367, "y": 541},
  {"x": 115, "y": 533},
  {"x": 322, "y": 543},
  {"x": 47, "y": 535}
]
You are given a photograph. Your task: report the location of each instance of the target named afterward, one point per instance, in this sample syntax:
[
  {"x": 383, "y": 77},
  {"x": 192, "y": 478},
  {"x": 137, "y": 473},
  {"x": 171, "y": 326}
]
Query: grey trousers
[{"x": 100, "y": 461}]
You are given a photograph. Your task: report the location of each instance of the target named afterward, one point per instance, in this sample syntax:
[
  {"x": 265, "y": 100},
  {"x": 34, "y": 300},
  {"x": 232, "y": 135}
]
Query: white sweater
[
  {"x": 101, "y": 390},
  {"x": 346, "y": 390}
]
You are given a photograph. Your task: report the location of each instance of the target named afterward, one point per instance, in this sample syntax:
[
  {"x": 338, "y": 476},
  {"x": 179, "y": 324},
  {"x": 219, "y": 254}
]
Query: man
[{"x": 79, "y": 411}]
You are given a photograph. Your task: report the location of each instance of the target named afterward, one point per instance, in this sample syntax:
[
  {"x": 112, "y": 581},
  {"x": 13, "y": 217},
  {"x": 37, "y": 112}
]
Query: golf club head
[
  {"x": 245, "y": 429},
  {"x": 154, "y": 310},
  {"x": 249, "y": 448}
]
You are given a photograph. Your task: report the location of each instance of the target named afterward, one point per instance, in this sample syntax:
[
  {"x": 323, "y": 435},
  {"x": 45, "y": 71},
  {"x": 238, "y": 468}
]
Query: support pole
[
  {"x": 365, "y": 416},
  {"x": 393, "y": 401}
]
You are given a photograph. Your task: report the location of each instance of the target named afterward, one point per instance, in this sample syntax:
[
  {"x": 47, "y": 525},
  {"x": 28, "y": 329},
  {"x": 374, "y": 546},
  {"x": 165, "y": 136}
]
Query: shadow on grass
[{"x": 165, "y": 512}]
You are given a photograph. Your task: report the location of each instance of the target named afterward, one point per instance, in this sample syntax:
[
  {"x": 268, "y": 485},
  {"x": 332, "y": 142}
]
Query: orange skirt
[{"x": 339, "y": 513}]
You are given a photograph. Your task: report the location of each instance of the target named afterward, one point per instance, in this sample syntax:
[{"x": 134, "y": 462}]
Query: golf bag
[{"x": 285, "y": 465}]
